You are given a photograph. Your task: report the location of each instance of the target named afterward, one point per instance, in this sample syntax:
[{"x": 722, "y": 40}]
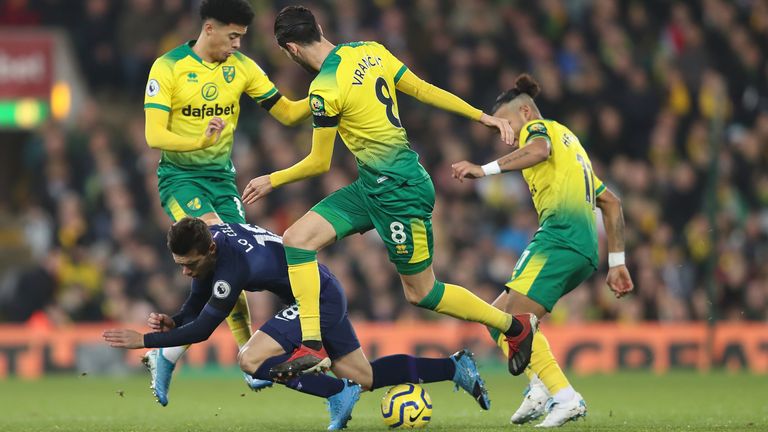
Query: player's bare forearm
[
  {"x": 123, "y": 338},
  {"x": 613, "y": 220},
  {"x": 528, "y": 156},
  {"x": 289, "y": 112},
  {"x": 532, "y": 154}
]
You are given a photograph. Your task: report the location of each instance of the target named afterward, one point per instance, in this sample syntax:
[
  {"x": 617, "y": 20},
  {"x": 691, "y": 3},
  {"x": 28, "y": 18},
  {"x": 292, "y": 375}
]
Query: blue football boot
[
  {"x": 468, "y": 378},
  {"x": 341, "y": 404},
  {"x": 256, "y": 384},
  {"x": 160, "y": 370}
]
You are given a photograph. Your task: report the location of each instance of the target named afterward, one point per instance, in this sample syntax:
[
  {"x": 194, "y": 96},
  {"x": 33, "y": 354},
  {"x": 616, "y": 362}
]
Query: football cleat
[
  {"x": 256, "y": 384},
  {"x": 303, "y": 360},
  {"x": 520, "y": 346},
  {"x": 160, "y": 370},
  {"x": 468, "y": 378},
  {"x": 341, "y": 404},
  {"x": 561, "y": 413},
  {"x": 534, "y": 404}
]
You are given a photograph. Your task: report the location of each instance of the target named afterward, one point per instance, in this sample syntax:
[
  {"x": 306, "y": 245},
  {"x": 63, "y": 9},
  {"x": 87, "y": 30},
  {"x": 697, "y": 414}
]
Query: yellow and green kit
[
  {"x": 355, "y": 91},
  {"x": 193, "y": 91},
  {"x": 563, "y": 252}
]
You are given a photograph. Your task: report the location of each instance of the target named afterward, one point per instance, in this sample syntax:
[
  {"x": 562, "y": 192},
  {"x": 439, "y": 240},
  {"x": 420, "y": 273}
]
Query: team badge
[
  {"x": 153, "y": 87},
  {"x": 537, "y": 128},
  {"x": 194, "y": 204},
  {"x": 209, "y": 91},
  {"x": 228, "y": 72},
  {"x": 221, "y": 289},
  {"x": 317, "y": 104}
]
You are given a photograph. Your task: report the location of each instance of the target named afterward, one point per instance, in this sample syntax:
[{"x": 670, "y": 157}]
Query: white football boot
[
  {"x": 561, "y": 413},
  {"x": 534, "y": 403}
]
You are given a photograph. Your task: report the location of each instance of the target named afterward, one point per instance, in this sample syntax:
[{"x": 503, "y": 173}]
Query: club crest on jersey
[
  {"x": 221, "y": 289},
  {"x": 209, "y": 91},
  {"x": 228, "y": 72},
  {"x": 317, "y": 104},
  {"x": 194, "y": 204},
  {"x": 153, "y": 88},
  {"x": 537, "y": 128}
]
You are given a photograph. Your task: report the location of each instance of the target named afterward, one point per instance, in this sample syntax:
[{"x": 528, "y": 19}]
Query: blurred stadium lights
[{"x": 38, "y": 78}]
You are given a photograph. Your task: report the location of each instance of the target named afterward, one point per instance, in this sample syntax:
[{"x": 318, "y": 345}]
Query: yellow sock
[
  {"x": 544, "y": 365},
  {"x": 239, "y": 321},
  {"x": 304, "y": 275},
  {"x": 459, "y": 302},
  {"x": 501, "y": 341}
]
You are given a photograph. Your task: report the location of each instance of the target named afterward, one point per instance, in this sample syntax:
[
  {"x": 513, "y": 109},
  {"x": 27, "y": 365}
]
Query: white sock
[
  {"x": 173, "y": 354},
  {"x": 564, "y": 395},
  {"x": 536, "y": 382}
]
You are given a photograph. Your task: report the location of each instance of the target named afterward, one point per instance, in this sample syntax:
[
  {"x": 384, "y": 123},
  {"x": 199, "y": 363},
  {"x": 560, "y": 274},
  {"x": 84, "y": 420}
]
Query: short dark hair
[
  {"x": 189, "y": 234},
  {"x": 227, "y": 11},
  {"x": 296, "y": 24},
  {"x": 524, "y": 84}
]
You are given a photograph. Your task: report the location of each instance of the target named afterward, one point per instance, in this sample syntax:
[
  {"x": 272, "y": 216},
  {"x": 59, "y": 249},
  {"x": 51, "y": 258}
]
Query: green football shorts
[
  {"x": 545, "y": 273},
  {"x": 402, "y": 217},
  {"x": 198, "y": 196}
]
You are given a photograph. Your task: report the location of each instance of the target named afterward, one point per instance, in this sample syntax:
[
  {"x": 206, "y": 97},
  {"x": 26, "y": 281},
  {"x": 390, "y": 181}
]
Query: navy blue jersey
[{"x": 248, "y": 258}]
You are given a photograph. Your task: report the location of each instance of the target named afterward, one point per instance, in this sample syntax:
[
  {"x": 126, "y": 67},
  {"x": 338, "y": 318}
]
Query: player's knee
[
  {"x": 295, "y": 238},
  {"x": 249, "y": 359}
]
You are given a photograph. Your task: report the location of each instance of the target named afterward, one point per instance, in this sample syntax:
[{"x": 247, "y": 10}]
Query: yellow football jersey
[
  {"x": 355, "y": 90},
  {"x": 563, "y": 188},
  {"x": 193, "y": 92}
]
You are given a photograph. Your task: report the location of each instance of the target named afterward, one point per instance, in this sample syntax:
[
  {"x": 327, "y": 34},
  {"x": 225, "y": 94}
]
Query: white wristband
[
  {"x": 491, "y": 168},
  {"x": 615, "y": 259}
]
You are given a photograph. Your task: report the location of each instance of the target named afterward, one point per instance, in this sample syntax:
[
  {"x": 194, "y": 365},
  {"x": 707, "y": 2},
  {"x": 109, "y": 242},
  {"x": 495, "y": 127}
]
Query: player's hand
[
  {"x": 503, "y": 125},
  {"x": 123, "y": 338},
  {"x": 257, "y": 189},
  {"x": 619, "y": 281},
  {"x": 213, "y": 131},
  {"x": 464, "y": 169},
  {"x": 160, "y": 322}
]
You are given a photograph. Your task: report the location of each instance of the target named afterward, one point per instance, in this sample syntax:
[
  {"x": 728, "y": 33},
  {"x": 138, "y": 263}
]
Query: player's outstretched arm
[
  {"x": 159, "y": 137},
  {"x": 317, "y": 162},
  {"x": 618, "y": 280},
  {"x": 535, "y": 152},
  {"x": 286, "y": 111},
  {"x": 425, "y": 92}
]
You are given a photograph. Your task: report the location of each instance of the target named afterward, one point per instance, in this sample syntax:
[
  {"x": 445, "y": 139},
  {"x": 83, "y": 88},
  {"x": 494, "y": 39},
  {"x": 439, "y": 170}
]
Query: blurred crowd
[{"x": 670, "y": 99}]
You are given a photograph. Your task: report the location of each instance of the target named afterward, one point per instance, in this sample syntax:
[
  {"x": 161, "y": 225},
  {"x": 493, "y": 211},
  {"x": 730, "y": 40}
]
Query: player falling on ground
[
  {"x": 192, "y": 107},
  {"x": 225, "y": 260},
  {"x": 354, "y": 95},
  {"x": 563, "y": 252}
]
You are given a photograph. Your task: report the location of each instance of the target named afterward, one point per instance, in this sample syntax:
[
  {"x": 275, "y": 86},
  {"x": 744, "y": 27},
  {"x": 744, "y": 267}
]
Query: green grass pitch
[{"x": 221, "y": 402}]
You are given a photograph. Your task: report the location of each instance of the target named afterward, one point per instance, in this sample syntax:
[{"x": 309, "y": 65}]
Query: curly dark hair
[
  {"x": 227, "y": 11},
  {"x": 187, "y": 235}
]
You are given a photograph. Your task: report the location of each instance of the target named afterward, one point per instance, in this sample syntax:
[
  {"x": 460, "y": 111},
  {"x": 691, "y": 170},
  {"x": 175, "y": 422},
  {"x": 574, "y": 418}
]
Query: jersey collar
[{"x": 190, "y": 52}]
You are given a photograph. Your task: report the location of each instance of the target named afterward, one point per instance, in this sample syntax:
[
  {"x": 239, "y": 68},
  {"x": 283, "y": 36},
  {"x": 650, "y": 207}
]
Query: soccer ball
[{"x": 406, "y": 406}]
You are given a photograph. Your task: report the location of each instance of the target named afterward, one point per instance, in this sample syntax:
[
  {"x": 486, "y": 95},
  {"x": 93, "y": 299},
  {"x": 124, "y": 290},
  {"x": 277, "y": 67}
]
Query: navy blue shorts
[{"x": 339, "y": 338}]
